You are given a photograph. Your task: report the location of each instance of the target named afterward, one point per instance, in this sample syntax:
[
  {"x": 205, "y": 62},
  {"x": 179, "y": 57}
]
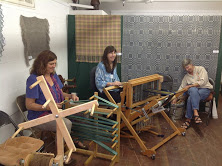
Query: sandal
[
  {"x": 186, "y": 125},
  {"x": 80, "y": 145},
  {"x": 197, "y": 119}
]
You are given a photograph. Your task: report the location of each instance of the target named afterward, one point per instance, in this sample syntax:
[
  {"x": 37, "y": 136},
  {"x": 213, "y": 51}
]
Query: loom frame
[
  {"x": 128, "y": 116},
  {"x": 95, "y": 152}
]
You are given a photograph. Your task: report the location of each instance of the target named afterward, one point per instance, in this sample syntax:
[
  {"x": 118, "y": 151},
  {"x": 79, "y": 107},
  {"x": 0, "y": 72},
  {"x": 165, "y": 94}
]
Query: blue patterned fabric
[
  {"x": 2, "y": 39},
  {"x": 158, "y": 44},
  {"x": 102, "y": 77}
]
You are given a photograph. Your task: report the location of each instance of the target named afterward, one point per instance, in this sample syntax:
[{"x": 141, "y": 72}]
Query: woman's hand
[
  {"x": 74, "y": 97},
  {"x": 117, "y": 83},
  {"x": 59, "y": 105},
  {"x": 187, "y": 87}
]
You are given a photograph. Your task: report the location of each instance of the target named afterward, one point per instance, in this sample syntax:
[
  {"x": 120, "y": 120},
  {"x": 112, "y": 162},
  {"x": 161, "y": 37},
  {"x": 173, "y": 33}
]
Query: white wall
[{"x": 13, "y": 69}]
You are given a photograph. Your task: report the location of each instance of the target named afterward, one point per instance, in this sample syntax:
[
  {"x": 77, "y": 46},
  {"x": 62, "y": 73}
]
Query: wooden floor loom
[
  {"x": 61, "y": 131},
  {"x": 140, "y": 100},
  {"x": 99, "y": 130}
]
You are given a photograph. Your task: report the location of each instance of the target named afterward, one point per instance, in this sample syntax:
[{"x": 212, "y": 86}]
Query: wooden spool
[{"x": 39, "y": 159}]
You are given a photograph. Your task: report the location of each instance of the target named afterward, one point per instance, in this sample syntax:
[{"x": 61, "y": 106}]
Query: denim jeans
[{"x": 195, "y": 96}]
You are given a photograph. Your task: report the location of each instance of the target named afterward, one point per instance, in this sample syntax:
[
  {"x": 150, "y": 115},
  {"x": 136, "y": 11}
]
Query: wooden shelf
[{"x": 87, "y": 12}]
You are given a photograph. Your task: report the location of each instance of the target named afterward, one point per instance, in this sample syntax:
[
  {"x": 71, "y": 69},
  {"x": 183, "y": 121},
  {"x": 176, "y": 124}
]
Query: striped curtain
[{"x": 93, "y": 34}]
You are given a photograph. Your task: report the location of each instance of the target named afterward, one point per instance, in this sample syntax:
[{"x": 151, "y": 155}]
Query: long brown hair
[
  {"x": 105, "y": 61},
  {"x": 40, "y": 63}
]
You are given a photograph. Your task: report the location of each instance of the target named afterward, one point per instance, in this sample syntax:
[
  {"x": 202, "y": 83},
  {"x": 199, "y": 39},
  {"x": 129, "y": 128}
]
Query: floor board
[{"x": 201, "y": 146}]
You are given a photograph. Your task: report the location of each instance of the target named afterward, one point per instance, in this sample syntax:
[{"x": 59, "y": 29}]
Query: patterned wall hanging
[
  {"x": 35, "y": 36},
  {"x": 158, "y": 44},
  {"x": 2, "y": 39},
  {"x": 93, "y": 34}
]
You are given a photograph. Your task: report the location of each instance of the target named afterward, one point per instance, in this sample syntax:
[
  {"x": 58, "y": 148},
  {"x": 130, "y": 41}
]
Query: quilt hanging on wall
[
  {"x": 2, "y": 39},
  {"x": 158, "y": 44},
  {"x": 35, "y": 36},
  {"x": 93, "y": 34}
]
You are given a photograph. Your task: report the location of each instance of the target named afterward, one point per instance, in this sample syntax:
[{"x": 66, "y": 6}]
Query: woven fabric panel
[
  {"x": 158, "y": 44},
  {"x": 35, "y": 36},
  {"x": 2, "y": 39},
  {"x": 93, "y": 34}
]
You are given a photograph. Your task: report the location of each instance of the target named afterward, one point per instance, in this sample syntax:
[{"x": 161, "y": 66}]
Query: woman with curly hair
[{"x": 45, "y": 65}]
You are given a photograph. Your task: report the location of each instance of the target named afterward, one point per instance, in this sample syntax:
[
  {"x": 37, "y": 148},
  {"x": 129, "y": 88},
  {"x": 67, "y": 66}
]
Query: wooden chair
[{"x": 15, "y": 149}]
